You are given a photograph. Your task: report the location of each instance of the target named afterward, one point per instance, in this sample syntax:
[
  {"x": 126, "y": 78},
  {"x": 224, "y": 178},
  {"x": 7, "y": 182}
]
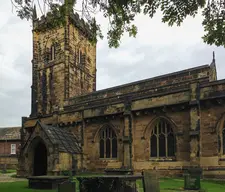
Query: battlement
[
  {"x": 45, "y": 22},
  {"x": 79, "y": 23}
]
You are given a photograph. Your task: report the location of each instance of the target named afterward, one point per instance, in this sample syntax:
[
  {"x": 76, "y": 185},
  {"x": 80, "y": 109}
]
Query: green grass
[
  {"x": 166, "y": 185},
  {"x": 8, "y": 171},
  {"x": 21, "y": 186}
]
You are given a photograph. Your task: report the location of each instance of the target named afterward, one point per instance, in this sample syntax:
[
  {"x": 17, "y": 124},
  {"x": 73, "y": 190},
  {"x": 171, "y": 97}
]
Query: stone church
[{"x": 167, "y": 123}]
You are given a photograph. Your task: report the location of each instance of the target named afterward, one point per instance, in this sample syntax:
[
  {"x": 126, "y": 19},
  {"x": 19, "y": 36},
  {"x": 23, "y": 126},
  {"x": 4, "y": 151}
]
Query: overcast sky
[{"x": 157, "y": 49}]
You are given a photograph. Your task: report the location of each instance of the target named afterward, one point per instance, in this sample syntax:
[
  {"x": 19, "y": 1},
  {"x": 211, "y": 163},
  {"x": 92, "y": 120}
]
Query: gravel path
[{"x": 7, "y": 178}]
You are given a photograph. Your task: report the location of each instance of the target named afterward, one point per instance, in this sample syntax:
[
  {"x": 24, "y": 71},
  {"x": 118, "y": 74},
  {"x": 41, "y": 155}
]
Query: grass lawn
[
  {"x": 166, "y": 185},
  {"x": 8, "y": 171}
]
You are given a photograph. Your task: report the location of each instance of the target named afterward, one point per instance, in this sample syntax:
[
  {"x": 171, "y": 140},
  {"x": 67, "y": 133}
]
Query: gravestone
[
  {"x": 192, "y": 178},
  {"x": 67, "y": 187},
  {"x": 150, "y": 181},
  {"x": 108, "y": 183}
]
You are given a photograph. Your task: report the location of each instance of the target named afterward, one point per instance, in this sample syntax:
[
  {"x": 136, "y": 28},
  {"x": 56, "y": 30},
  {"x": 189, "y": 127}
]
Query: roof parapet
[{"x": 74, "y": 19}]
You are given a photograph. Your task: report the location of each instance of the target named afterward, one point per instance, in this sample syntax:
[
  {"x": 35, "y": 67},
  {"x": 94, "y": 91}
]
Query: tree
[{"x": 121, "y": 14}]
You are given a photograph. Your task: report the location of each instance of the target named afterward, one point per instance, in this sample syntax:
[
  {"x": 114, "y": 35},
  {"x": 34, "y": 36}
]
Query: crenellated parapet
[
  {"x": 50, "y": 21},
  {"x": 80, "y": 24}
]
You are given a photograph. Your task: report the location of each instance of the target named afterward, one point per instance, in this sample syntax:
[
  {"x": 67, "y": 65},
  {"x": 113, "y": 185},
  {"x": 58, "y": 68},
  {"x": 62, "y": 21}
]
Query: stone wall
[
  {"x": 70, "y": 73},
  {"x": 155, "y": 84},
  {"x": 65, "y": 161},
  {"x": 91, "y": 144},
  {"x": 11, "y": 162},
  {"x": 143, "y": 126},
  {"x": 48, "y": 81},
  {"x": 82, "y": 64}
]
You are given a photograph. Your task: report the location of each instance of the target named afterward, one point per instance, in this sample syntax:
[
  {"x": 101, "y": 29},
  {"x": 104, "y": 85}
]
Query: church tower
[{"x": 64, "y": 62}]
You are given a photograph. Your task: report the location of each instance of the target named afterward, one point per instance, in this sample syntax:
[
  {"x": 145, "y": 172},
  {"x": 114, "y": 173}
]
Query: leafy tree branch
[{"x": 121, "y": 15}]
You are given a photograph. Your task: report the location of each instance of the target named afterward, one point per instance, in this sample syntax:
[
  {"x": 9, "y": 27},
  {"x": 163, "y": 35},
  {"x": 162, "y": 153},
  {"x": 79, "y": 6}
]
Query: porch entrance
[{"x": 40, "y": 159}]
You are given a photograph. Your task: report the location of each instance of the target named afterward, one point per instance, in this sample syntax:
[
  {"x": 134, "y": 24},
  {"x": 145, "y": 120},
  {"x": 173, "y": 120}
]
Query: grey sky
[{"x": 157, "y": 49}]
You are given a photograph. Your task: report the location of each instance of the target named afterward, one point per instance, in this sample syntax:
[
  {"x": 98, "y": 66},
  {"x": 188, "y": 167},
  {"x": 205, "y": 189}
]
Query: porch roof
[{"x": 66, "y": 140}]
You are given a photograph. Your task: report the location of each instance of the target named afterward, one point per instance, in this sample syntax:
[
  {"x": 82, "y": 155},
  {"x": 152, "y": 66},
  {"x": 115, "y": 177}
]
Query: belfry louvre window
[
  {"x": 162, "y": 140},
  {"x": 107, "y": 143}
]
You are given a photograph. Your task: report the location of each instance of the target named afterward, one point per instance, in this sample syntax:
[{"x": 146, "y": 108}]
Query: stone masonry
[{"x": 190, "y": 102}]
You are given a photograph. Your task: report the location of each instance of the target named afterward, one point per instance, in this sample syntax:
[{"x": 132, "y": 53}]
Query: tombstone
[
  {"x": 67, "y": 187},
  {"x": 192, "y": 179},
  {"x": 150, "y": 181}
]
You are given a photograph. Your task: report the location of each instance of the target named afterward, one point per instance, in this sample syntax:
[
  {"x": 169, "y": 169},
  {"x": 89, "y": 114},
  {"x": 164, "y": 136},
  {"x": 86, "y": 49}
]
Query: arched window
[
  {"x": 79, "y": 56},
  {"x": 52, "y": 52},
  {"x": 162, "y": 140},
  {"x": 107, "y": 143},
  {"x": 221, "y": 136}
]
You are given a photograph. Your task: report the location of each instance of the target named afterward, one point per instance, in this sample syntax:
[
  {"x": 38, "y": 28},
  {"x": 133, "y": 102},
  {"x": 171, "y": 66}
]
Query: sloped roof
[
  {"x": 10, "y": 133},
  {"x": 66, "y": 140}
]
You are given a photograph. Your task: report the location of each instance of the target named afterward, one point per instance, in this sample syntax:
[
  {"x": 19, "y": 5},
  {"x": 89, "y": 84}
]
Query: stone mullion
[
  {"x": 221, "y": 141},
  {"x": 111, "y": 147},
  {"x": 157, "y": 133},
  {"x": 166, "y": 139},
  {"x": 104, "y": 138},
  {"x": 220, "y": 137}
]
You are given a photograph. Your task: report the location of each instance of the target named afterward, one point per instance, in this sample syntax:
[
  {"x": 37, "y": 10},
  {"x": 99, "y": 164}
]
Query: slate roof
[
  {"x": 10, "y": 133},
  {"x": 66, "y": 140}
]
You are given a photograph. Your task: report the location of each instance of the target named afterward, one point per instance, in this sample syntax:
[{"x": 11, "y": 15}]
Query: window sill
[
  {"x": 108, "y": 159},
  {"x": 162, "y": 159}
]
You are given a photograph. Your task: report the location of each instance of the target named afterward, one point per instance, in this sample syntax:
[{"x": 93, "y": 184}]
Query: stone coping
[
  {"x": 49, "y": 177},
  {"x": 112, "y": 177}
]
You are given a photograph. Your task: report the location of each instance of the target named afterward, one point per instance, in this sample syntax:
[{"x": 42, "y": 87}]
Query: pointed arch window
[
  {"x": 221, "y": 137},
  {"x": 107, "y": 143},
  {"x": 162, "y": 140}
]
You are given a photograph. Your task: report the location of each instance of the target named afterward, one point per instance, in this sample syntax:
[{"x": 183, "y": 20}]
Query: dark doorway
[{"x": 40, "y": 160}]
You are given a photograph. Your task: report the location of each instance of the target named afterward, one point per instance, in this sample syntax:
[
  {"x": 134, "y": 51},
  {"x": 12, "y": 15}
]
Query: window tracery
[
  {"x": 221, "y": 136},
  {"x": 162, "y": 140},
  {"x": 107, "y": 143}
]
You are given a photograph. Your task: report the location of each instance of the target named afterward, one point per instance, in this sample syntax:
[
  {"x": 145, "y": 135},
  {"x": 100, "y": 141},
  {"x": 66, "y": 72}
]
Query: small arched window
[
  {"x": 79, "y": 57},
  {"x": 162, "y": 140},
  {"x": 107, "y": 143},
  {"x": 52, "y": 53}
]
